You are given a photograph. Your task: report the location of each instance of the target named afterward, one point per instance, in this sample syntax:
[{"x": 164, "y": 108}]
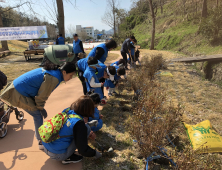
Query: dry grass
[{"x": 199, "y": 99}]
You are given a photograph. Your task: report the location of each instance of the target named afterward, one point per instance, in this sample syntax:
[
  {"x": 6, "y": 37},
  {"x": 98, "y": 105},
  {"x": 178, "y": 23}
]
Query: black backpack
[{"x": 3, "y": 80}]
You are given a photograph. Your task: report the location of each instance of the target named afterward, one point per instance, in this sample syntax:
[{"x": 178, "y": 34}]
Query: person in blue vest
[
  {"x": 77, "y": 46},
  {"x": 110, "y": 85},
  {"x": 132, "y": 54},
  {"x": 96, "y": 100},
  {"x": 31, "y": 90},
  {"x": 119, "y": 63},
  {"x": 61, "y": 40},
  {"x": 77, "y": 132},
  {"x": 126, "y": 48},
  {"x": 100, "y": 52},
  {"x": 92, "y": 80}
]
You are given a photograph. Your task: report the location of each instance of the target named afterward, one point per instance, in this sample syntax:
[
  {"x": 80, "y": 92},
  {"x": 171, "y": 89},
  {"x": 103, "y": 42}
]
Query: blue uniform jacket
[
  {"x": 96, "y": 117},
  {"x": 60, "y": 145},
  {"x": 29, "y": 83},
  {"x": 88, "y": 74}
]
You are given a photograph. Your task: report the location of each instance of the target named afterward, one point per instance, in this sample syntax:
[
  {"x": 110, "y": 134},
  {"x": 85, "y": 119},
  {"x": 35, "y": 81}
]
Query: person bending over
[
  {"x": 31, "y": 90},
  {"x": 96, "y": 100}
]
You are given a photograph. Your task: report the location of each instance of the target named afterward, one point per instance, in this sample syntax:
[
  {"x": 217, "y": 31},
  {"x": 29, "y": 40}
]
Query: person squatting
[{"x": 67, "y": 140}]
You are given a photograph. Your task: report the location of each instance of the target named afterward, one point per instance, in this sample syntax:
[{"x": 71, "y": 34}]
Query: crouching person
[
  {"x": 96, "y": 100},
  {"x": 72, "y": 135},
  {"x": 110, "y": 85}
]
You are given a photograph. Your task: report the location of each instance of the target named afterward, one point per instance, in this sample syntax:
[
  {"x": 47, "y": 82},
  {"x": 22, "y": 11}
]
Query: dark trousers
[
  {"x": 82, "y": 79},
  {"x": 76, "y": 57},
  {"x": 124, "y": 55}
]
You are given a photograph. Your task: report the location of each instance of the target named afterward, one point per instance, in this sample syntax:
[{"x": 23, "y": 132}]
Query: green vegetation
[{"x": 179, "y": 28}]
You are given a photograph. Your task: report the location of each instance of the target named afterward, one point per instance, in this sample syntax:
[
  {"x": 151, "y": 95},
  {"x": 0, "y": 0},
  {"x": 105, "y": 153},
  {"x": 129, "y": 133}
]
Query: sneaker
[
  {"x": 114, "y": 93},
  {"x": 72, "y": 159},
  {"x": 41, "y": 147}
]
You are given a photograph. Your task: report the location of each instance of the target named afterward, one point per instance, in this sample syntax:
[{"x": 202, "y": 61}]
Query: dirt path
[{"x": 19, "y": 149}]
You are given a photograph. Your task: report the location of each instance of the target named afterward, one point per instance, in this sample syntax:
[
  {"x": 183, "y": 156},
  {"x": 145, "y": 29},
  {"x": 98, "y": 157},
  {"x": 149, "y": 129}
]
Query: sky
[{"x": 85, "y": 12}]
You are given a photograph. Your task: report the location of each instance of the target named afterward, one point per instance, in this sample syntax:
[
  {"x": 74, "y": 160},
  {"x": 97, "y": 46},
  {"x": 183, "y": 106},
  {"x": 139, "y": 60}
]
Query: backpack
[
  {"x": 49, "y": 131},
  {"x": 3, "y": 80}
]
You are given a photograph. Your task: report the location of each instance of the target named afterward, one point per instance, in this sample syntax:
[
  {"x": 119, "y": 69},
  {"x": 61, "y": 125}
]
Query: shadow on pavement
[{"x": 17, "y": 138}]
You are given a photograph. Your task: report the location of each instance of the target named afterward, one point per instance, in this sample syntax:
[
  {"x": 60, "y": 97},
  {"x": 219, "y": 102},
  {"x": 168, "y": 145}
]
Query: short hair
[
  {"x": 111, "y": 44},
  {"x": 121, "y": 71},
  {"x": 112, "y": 70},
  {"x": 60, "y": 35},
  {"x": 95, "y": 97},
  {"x": 122, "y": 61},
  {"x": 92, "y": 60},
  {"x": 83, "y": 106},
  {"x": 132, "y": 37}
]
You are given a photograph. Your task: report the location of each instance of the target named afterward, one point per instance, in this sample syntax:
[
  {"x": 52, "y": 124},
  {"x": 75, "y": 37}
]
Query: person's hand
[
  {"x": 44, "y": 113},
  {"x": 86, "y": 119},
  {"x": 100, "y": 116},
  {"x": 93, "y": 123},
  {"x": 98, "y": 155},
  {"x": 92, "y": 135}
]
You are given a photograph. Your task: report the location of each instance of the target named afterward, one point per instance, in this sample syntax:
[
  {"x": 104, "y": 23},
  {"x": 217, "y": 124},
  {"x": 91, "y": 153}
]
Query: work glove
[
  {"x": 98, "y": 155},
  {"x": 93, "y": 123},
  {"x": 43, "y": 113}
]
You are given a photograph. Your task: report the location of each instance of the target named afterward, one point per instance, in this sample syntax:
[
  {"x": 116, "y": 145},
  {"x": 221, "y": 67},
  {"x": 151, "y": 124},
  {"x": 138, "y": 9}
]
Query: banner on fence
[{"x": 21, "y": 33}]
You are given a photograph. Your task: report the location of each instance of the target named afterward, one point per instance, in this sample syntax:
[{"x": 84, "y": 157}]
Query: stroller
[
  {"x": 58, "y": 54},
  {"x": 4, "y": 119},
  {"x": 4, "y": 115}
]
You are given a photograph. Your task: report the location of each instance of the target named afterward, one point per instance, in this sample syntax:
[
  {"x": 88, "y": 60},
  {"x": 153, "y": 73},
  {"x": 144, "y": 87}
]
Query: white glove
[
  {"x": 98, "y": 155},
  {"x": 93, "y": 123}
]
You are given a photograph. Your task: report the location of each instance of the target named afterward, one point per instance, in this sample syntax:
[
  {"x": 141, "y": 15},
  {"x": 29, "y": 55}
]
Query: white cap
[{"x": 111, "y": 77}]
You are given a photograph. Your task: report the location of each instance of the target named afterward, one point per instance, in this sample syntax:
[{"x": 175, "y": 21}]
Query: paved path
[{"x": 19, "y": 149}]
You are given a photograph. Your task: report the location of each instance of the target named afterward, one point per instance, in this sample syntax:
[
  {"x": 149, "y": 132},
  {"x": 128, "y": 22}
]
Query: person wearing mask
[
  {"x": 126, "y": 48},
  {"x": 77, "y": 46},
  {"x": 31, "y": 90},
  {"x": 61, "y": 40},
  {"x": 76, "y": 132},
  {"x": 100, "y": 52}
]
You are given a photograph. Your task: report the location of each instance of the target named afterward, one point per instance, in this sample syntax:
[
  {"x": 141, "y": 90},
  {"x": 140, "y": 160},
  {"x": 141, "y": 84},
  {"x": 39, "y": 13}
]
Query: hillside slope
[{"x": 177, "y": 32}]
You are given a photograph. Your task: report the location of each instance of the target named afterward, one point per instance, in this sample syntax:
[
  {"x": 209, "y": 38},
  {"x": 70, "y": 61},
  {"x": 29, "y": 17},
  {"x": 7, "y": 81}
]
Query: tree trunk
[
  {"x": 60, "y": 18},
  {"x": 4, "y": 43},
  {"x": 204, "y": 9},
  {"x": 153, "y": 29},
  {"x": 114, "y": 21},
  {"x": 217, "y": 2}
]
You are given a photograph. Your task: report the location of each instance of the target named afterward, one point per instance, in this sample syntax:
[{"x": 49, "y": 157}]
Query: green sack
[
  {"x": 58, "y": 54},
  {"x": 49, "y": 131}
]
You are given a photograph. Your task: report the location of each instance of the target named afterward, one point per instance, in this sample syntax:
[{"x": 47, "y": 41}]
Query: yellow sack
[
  {"x": 203, "y": 138},
  {"x": 166, "y": 74}
]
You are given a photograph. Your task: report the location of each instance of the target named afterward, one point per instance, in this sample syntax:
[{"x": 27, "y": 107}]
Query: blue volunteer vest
[
  {"x": 82, "y": 64},
  {"x": 88, "y": 74},
  {"x": 93, "y": 52},
  {"x": 29, "y": 83},
  {"x": 115, "y": 63},
  {"x": 61, "y": 41},
  {"x": 132, "y": 49},
  {"x": 60, "y": 145},
  {"x": 100, "y": 70},
  {"x": 76, "y": 47},
  {"x": 96, "y": 115},
  {"x": 109, "y": 83}
]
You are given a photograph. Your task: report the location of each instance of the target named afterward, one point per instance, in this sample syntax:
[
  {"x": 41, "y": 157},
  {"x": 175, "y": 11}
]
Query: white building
[{"x": 88, "y": 30}]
